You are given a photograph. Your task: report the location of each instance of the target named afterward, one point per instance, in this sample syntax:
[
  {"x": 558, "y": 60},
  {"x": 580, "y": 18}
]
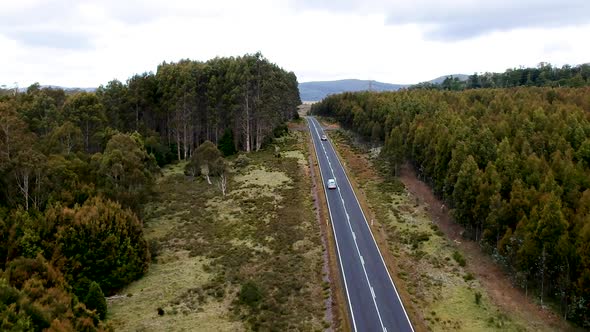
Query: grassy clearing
[
  {"x": 251, "y": 260},
  {"x": 445, "y": 296},
  {"x": 182, "y": 273}
]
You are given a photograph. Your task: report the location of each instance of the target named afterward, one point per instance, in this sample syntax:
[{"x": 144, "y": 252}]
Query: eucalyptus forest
[
  {"x": 75, "y": 169},
  {"x": 513, "y": 165}
]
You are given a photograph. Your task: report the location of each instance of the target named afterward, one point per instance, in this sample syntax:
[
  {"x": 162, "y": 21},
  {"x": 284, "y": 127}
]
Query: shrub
[
  {"x": 155, "y": 248},
  {"x": 35, "y": 297},
  {"x": 100, "y": 241},
  {"x": 242, "y": 161},
  {"x": 95, "y": 300},
  {"x": 459, "y": 258},
  {"x": 250, "y": 294},
  {"x": 468, "y": 277},
  {"x": 477, "y": 298},
  {"x": 280, "y": 130},
  {"x": 416, "y": 238}
]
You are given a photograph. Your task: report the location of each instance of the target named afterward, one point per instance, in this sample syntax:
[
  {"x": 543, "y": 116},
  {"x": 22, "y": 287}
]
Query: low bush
[
  {"x": 242, "y": 161},
  {"x": 468, "y": 277},
  {"x": 477, "y": 298},
  {"x": 250, "y": 294},
  {"x": 459, "y": 258}
]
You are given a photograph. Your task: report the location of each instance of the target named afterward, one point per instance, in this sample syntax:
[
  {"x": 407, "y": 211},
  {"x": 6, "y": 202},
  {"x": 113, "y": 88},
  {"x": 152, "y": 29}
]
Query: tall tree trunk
[
  {"x": 185, "y": 139},
  {"x": 247, "y": 124},
  {"x": 223, "y": 182},
  {"x": 23, "y": 184},
  {"x": 178, "y": 143},
  {"x": 258, "y": 136},
  {"x": 26, "y": 191},
  {"x": 208, "y": 127},
  {"x": 168, "y": 131},
  {"x": 543, "y": 256},
  {"x": 184, "y": 120},
  {"x": 37, "y": 194}
]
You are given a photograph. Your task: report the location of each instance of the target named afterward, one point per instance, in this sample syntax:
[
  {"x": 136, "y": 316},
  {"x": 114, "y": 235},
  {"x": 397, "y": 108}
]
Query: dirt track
[{"x": 496, "y": 282}]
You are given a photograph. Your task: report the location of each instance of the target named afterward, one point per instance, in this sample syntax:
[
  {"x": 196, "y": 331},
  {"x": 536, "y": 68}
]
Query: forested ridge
[
  {"x": 76, "y": 168},
  {"x": 512, "y": 164},
  {"x": 543, "y": 75}
]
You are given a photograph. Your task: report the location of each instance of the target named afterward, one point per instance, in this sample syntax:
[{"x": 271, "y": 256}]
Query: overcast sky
[{"x": 88, "y": 43}]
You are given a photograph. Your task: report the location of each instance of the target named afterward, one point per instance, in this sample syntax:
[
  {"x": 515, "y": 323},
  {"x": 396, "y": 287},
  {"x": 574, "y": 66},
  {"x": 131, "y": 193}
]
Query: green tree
[
  {"x": 100, "y": 241},
  {"x": 126, "y": 170},
  {"x": 205, "y": 161},
  {"x": 95, "y": 300},
  {"x": 66, "y": 138},
  {"x": 583, "y": 153},
  {"x": 226, "y": 143},
  {"x": 40, "y": 110},
  {"x": 85, "y": 110},
  {"x": 115, "y": 99},
  {"x": 465, "y": 192}
]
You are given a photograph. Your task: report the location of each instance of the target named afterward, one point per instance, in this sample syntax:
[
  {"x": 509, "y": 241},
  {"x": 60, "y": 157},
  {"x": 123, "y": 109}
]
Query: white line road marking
[{"x": 350, "y": 227}]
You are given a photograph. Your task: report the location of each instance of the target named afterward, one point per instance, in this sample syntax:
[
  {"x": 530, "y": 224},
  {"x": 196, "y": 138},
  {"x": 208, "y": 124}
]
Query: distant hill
[
  {"x": 439, "y": 80},
  {"x": 66, "y": 89},
  {"x": 314, "y": 91}
]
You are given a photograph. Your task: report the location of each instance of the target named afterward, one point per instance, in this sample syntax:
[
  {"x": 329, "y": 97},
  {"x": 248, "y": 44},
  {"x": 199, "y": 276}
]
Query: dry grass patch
[
  {"x": 298, "y": 155},
  {"x": 261, "y": 177},
  {"x": 251, "y": 245}
]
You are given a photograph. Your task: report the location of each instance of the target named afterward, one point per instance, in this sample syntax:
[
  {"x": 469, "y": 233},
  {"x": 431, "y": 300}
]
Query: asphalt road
[{"x": 373, "y": 301}]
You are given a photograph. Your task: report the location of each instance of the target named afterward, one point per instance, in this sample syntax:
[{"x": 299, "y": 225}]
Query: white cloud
[
  {"x": 463, "y": 19},
  {"x": 88, "y": 43}
]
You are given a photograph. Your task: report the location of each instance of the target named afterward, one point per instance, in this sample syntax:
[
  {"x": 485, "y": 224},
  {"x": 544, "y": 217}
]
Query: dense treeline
[
  {"x": 189, "y": 102},
  {"x": 543, "y": 75},
  {"x": 75, "y": 168},
  {"x": 512, "y": 164}
]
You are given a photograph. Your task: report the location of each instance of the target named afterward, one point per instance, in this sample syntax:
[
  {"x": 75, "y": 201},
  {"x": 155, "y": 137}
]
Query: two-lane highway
[{"x": 373, "y": 301}]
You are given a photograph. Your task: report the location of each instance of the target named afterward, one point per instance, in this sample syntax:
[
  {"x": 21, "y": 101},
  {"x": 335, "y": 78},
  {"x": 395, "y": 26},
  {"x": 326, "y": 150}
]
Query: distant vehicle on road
[
  {"x": 324, "y": 138},
  {"x": 331, "y": 184}
]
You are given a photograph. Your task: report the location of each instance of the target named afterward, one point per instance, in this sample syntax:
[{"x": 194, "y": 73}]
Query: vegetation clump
[
  {"x": 95, "y": 300},
  {"x": 459, "y": 258},
  {"x": 242, "y": 161},
  {"x": 250, "y": 294}
]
